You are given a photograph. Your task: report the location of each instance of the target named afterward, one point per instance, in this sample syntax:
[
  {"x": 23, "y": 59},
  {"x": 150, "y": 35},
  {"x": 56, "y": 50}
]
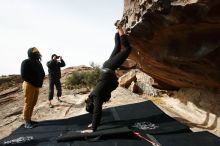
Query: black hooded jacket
[
  {"x": 54, "y": 69},
  {"x": 32, "y": 70}
]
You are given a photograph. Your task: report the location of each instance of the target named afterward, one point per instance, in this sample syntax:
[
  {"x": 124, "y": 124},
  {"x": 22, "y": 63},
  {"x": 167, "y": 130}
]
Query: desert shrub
[{"x": 79, "y": 79}]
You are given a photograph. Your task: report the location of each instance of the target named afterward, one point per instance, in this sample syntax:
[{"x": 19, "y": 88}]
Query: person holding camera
[{"x": 54, "y": 75}]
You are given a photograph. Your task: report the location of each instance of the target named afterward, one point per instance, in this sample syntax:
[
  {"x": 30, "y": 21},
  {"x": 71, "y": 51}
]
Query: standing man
[
  {"x": 32, "y": 73},
  {"x": 54, "y": 66}
]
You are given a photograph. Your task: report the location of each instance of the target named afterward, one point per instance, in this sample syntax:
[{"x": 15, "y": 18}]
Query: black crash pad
[
  {"x": 117, "y": 127},
  {"x": 188, "y": 139},
  {"x": 77, "y": 135},
  {"x": 180, "y": 139},
  {"x": 144, "y": 116}
]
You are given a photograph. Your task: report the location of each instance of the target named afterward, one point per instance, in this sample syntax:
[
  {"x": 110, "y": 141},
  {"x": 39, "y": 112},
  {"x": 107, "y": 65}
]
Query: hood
[{"x": 33, "y": 53}]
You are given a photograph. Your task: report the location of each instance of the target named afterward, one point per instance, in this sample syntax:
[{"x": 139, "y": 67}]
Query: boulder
[
  {"x": 134, "y": 88},
  {"x": 175, "y": 41},
  {"x": 139, "y": 82},
  {"x": 127, "y": 79},
  {"x": 128, "y": 64}
]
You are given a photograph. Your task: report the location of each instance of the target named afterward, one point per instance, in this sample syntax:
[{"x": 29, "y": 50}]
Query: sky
[{"x": 81, "y": 31}]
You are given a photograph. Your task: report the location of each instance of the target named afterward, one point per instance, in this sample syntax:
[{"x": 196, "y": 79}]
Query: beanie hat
[{"x": 35, "y": 50}]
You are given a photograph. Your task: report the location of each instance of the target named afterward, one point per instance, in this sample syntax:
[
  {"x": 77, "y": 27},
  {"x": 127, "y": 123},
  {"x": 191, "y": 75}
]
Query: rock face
[{"x": 177, "y": 42}]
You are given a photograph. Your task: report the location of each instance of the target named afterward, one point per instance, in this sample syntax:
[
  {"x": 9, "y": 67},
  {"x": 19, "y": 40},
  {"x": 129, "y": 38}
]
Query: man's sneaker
[
  {"x": 51, "y": 106},
  {"x": 28, "y": 125},
  {"x": 59, "y": 99}
]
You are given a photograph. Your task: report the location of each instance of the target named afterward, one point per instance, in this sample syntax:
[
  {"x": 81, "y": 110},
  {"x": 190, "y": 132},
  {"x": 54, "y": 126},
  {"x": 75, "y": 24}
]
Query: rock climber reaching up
[{"x": 108, "y": 80}]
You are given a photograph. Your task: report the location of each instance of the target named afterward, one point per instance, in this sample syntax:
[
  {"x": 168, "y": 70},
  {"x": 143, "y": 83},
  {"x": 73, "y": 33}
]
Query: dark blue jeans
[{"x": 57, "y": 84}]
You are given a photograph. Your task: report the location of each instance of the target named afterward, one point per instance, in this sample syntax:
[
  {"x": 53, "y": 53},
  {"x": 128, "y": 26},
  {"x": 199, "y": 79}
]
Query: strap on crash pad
[{"x": 149, "y": 139}]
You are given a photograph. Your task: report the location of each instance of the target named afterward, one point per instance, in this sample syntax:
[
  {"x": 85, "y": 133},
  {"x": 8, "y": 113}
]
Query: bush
[{"x": 79, "y": 79}]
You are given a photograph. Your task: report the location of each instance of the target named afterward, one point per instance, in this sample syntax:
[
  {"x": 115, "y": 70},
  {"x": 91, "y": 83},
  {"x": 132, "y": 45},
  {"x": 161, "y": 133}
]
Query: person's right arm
[{"x": 97, "y": 113}]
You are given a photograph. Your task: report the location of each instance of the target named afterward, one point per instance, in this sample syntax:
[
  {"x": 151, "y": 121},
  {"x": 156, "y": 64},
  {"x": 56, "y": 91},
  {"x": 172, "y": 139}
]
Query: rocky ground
[{"x": 197, "y": 108}]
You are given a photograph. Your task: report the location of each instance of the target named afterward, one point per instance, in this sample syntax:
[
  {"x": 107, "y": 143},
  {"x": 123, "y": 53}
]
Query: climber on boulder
[{"x": 108, "y": 80}]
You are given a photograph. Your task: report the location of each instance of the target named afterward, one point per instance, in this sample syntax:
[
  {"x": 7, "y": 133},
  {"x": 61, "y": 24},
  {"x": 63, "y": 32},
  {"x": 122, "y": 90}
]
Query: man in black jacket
[
  {"x": 54, "y": 66},
  {"x": 32, "y": 73},
  {"x": 108, "y": 79}
]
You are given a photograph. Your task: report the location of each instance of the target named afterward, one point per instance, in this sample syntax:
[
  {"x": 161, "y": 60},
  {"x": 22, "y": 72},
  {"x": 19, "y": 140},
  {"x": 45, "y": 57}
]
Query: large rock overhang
[{"x": 176, "y": 42}]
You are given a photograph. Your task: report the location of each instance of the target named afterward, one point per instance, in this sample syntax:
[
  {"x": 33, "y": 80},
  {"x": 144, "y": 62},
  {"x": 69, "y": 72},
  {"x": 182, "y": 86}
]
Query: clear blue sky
[{"x": 81, "y": 31}]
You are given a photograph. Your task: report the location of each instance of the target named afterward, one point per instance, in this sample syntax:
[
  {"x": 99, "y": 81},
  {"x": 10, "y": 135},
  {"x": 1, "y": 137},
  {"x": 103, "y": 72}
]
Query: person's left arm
[{"x": 62, "y": 62}]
